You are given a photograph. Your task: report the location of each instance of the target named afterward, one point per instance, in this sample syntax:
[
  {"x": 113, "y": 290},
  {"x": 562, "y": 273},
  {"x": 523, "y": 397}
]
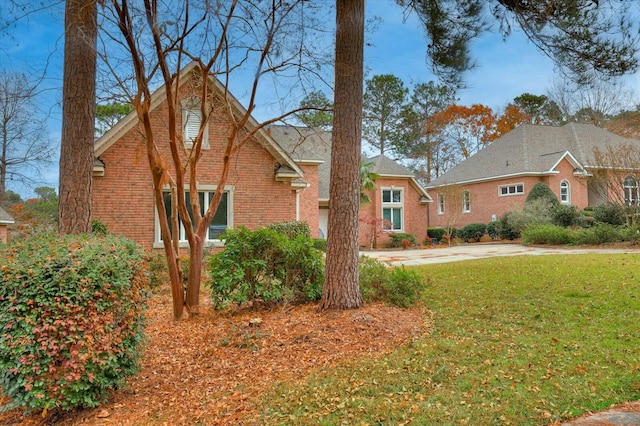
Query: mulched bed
[{"x": 214, "y": 368}]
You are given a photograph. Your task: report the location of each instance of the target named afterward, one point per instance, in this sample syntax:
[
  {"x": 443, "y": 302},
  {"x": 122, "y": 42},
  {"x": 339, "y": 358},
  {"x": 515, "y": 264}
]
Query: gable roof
[
  {"x": 313, "y": 145},
  {"x": 531, "y": 149},
  {"x": 5, "y": 218},
  {"x": 158, "y": 97}
]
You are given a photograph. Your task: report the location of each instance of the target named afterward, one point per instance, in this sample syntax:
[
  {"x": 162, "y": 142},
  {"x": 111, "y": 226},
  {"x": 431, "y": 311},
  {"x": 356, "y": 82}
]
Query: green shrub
[
  {"x": 320, "y": 244},
  {"x": 397, "y": 239},
  {"x": 472, "y": 232},
  {"x": 541, "y": 191},
  {"x": 610, "y": 213},
  {"x": 402, "y": 287},
  {"x": 493, "y": 230},
  {"x": 585, "y": 221},
  {"x": 436, "y": 233},
  {"x": 372, "y": 275},
  {"x": 291, "y": 229},
  {"x": 599, "y": 234},
  {"x": 98, "y": 227},
  {"x": 393, "y": 285},
  {"x": 547, "y": 234},
  {"x": 630, "y": 233},
  {"x": 536, "y": 211},
  {"x": 71, "y": 319},
  {"x": 509, "y": 229},
  {"x": 564, "y": 215},
  {"x": 158, "y": 271},
  {"x": 265, "y": 265}
]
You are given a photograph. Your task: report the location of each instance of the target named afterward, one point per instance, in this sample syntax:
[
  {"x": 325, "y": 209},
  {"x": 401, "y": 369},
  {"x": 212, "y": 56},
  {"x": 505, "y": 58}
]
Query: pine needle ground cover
[{"x": 521, "y": 341}]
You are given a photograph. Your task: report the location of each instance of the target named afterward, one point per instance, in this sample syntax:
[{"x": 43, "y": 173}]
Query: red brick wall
[
  {"x": 309, "y": 211},
  {"x": 486, "y": 201},
  {"x": 123, "y": 198},
  {"x": 415, "y": 214}
]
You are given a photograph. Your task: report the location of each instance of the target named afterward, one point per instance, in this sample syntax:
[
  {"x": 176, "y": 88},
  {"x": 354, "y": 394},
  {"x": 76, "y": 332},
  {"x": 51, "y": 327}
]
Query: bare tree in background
[
  {"x": 619, "y": 181},
  {"x": 24, "y": 141}
]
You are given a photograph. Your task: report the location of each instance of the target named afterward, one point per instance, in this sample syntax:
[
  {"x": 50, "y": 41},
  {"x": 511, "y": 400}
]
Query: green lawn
[{"x": 522, "y": 341}]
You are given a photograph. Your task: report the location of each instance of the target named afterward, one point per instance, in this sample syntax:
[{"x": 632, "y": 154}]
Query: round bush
[
  {"x": 472, "y": 232},
  {"x": 564, "y": 215},
  {"x": 541, "y": 191},
  {"x": 71, "y": 314},
  {"x": 266, "y": 266}
]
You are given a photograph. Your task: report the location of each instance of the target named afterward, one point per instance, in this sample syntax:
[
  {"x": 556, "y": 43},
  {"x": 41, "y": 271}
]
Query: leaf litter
[{"x": 213, "y": 369}]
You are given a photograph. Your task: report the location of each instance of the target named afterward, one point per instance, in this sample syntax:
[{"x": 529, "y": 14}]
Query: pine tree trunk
[
  {"x": 341, "y": 288},
  {"x": 78, "y": 113}
]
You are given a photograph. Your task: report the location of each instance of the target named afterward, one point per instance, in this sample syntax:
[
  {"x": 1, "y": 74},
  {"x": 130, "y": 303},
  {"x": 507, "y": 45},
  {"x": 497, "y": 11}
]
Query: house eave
[{"x": 492, "y": 178}]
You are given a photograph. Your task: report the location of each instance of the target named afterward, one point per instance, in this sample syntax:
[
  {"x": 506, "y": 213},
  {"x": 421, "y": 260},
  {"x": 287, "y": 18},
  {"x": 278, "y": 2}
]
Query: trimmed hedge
[
  {"x": 71, "y": 315},
  {"x": 436, "y": 233},
  {"x": 472, "y": 232}
]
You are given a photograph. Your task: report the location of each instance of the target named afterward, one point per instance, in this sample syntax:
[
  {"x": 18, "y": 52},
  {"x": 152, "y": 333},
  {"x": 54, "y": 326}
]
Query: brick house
[
  {"x": 272, "y": 179},
  {"x": 498, "y": 178},
  {"x": 396, "y": 205},
  {"x": 5, "y": 220}
]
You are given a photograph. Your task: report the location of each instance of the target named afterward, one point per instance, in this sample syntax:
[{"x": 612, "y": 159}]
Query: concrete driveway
[{"x": 479, "y": 251}]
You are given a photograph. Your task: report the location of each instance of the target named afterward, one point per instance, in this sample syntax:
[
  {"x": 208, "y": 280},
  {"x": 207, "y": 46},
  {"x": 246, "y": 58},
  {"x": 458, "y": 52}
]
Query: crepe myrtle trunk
[
  {"x": 78, "y": 114},
  {"x": 341, "y": 288}
]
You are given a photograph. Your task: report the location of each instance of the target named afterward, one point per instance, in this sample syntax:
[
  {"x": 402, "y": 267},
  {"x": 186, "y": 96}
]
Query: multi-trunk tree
[{"x": 195, "y": 51}]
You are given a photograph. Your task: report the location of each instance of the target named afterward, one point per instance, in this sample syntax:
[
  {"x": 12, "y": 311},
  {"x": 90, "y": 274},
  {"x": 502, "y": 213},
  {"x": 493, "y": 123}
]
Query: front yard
[{"x": 522, "y": 340}]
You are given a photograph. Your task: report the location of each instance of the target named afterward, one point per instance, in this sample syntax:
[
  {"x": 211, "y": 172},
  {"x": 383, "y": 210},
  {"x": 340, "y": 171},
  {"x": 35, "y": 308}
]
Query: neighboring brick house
[
  {"x": 5, "y": 221},
  {"x": 498, "y": 178},
  {"x": 269, "y": 181}
]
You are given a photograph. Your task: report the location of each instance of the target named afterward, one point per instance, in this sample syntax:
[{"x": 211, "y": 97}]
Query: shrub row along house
[
  {"x": 582, "y": 164},
  {"x": 282, "y": 174}
]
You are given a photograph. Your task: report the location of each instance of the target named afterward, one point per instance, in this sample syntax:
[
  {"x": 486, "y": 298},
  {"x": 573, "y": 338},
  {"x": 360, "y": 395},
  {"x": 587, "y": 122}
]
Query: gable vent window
[{"x": 191, "y": 122}]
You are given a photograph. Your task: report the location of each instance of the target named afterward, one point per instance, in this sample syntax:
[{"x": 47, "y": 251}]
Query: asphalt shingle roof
[
  {"x": 533, "y": 149},
  {"x": 308, "y": 144}
]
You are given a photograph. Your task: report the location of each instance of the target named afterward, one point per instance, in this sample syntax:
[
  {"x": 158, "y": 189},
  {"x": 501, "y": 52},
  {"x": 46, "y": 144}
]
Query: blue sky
[{"x": 506, "y": 68}]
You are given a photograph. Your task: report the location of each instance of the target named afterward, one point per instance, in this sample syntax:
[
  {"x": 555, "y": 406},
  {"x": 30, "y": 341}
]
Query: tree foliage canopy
[{"x": 580, "y": 35}]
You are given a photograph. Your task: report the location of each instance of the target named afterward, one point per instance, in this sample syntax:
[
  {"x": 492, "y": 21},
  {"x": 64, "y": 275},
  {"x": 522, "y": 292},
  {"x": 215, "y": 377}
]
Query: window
[
  {"x": 440, "y": 203},
  {"x": 392, "y": 209},
  {"x": 191, "y": 121},
  {"x": 565, "y": 192},
  {"x": 466, "y": 202},
  {"x": 515, "y": 189},
  {"x": 631, "y": 191},
  {"x": 221, "y": 220}
]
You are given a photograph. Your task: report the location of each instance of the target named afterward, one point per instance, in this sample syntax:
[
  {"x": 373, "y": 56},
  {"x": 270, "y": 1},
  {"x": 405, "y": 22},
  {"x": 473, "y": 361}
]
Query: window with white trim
[
  {"x": 393, "y": 209},
  {"x": 565, "y": 192},
  {"x": 221, "y": 220},
  {"x": 466, "y": 202},
  {"x": 191, "y": 122},
  {"x": 440, "y": 203},
  {"x": 631, "y": 191},
  {"x": 515, "y": 189}
]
